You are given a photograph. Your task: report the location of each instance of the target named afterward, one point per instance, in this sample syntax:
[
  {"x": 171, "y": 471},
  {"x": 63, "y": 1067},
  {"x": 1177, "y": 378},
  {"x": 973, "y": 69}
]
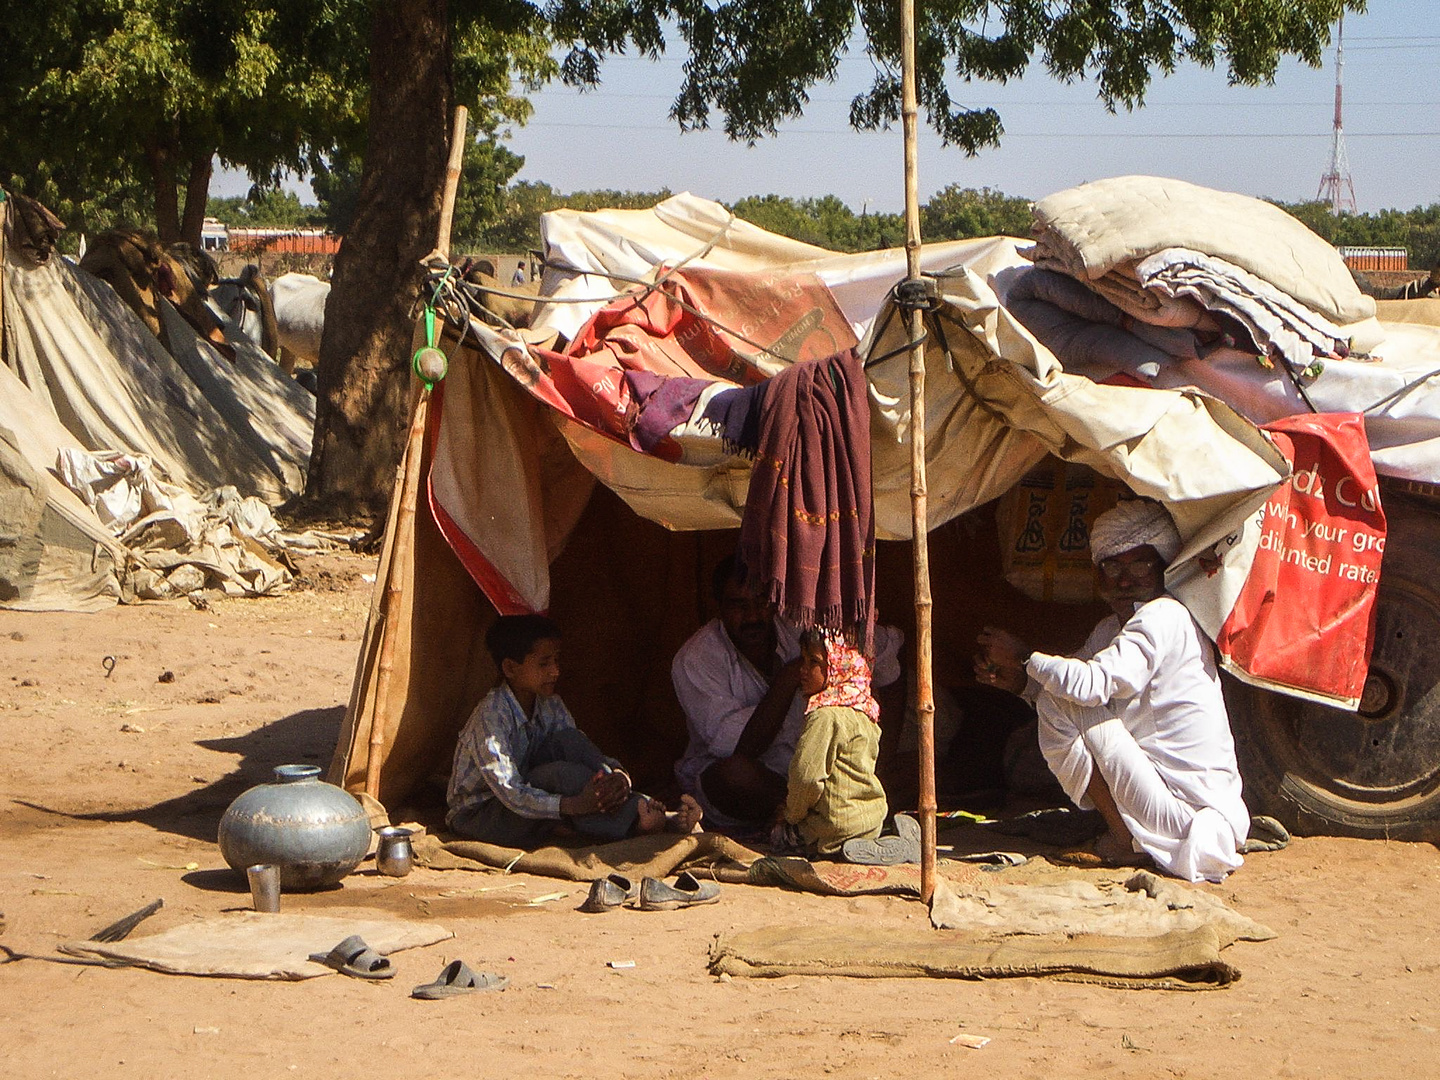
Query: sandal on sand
[
  {"x": 608, "y": 893},
  {"x": 901, "y": 846},
  {"x": 354, "y": 958},
  {"x": 687, "y": 891},
  {"x": 456, "y": 978}
]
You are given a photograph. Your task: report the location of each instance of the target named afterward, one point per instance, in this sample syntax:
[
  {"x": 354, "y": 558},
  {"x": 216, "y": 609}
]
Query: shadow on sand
[{"x": 304, "y": 737}]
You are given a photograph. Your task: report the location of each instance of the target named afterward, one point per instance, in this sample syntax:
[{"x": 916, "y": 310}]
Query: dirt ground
[{"x": 111, "y": 787}]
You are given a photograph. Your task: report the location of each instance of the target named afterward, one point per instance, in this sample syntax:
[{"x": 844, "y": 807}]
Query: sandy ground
[{"x": 111, "y": 786}]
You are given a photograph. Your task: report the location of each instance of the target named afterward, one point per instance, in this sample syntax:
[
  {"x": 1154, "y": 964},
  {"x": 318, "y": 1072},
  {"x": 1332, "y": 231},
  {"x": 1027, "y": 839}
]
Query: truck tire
[{"x": 1375, "y": 772}]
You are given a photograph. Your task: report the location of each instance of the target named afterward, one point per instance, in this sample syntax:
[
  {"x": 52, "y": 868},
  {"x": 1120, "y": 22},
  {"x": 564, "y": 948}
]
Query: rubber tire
[{"x": 1375, "y": 773}]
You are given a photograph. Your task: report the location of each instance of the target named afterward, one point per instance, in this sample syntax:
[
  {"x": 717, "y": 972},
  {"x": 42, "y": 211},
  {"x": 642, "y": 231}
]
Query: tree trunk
[
  {"x": 365, "y": 351},
  {"x": 197, "y": 194},
  {"x": 162, "y": 182}
]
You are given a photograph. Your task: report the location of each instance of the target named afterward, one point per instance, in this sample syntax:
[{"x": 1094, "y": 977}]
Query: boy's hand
[{"x": 611, "y": 789}]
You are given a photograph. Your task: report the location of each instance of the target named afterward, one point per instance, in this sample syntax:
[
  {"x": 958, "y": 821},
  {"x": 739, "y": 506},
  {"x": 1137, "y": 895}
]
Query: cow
[
  {"x": 299, "y": 304},
  {"x": 246, "y": 302}
]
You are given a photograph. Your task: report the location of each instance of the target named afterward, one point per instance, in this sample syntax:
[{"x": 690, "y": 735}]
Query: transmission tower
[{"x": 1335, "y": 186}]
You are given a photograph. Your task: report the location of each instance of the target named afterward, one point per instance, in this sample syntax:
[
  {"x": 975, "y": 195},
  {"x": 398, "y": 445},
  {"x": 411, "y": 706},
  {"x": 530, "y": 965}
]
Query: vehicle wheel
[{"x": 1375, "y": 772}]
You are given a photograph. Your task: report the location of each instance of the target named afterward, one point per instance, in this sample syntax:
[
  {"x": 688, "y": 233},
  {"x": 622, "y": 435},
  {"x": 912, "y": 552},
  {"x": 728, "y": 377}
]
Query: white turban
[{"x": 1131, "y": 524}]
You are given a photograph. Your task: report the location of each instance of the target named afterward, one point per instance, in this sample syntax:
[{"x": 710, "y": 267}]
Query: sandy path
[{"x": 96, "y": 820}]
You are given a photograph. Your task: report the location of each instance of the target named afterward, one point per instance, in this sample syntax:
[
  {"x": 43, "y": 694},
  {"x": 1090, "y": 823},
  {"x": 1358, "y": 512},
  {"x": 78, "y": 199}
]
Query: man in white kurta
[{"x": 1135, "y": 725}]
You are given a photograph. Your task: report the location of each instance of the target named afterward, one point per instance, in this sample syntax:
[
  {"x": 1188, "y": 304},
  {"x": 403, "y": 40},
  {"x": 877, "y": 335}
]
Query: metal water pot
[{"x": 315, "y": 832}]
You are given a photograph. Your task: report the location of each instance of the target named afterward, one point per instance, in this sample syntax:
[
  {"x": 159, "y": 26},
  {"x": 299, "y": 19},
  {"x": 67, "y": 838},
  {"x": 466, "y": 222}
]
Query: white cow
[{"x": 299, "y": 301}]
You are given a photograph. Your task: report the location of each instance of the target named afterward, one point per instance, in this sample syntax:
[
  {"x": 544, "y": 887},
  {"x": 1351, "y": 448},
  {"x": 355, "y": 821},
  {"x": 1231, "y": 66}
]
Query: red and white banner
[{"x": 1305, "y": 619}]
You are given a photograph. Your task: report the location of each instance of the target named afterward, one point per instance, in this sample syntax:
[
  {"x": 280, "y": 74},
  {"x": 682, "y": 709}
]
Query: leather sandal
[
  {"x": 608, "y": 893},
  {"x": 687, "y": 891},
  {"x": 456, "y": 978},
  {"x": 902, "y": 846}
]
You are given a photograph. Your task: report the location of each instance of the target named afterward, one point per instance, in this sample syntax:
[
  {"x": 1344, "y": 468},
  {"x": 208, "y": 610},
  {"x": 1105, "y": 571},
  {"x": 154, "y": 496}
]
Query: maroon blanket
[{"x": 808, "y": 535}]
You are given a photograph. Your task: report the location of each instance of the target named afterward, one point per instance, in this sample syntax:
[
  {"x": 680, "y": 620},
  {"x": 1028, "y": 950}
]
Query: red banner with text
[{"x": 1305, "y": 618}]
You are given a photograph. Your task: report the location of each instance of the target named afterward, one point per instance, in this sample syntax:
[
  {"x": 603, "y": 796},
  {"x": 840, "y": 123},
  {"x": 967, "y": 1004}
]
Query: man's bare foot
[
  {"x": 652, "y": 817},
  {"x": 1118, "y": 849}
]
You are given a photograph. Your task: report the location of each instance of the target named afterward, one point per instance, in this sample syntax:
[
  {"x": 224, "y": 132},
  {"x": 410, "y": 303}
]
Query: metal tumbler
[{"x": 264, "y": 881}]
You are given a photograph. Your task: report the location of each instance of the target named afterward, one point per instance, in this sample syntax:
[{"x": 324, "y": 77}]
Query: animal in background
[
  {"x": 141, "y": 270},
  {"x": 299, "y": 306},
  {"x": 246, "y": 302}
]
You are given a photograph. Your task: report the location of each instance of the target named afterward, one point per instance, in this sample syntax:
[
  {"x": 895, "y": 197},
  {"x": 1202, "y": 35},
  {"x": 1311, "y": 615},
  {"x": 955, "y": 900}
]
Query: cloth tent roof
[{"x": 510, "y": 458}]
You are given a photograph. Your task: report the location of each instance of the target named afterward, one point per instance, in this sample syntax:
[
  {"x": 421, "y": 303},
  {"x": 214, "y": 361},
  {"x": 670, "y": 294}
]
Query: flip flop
[
  {"x": 354, "y": 958},
  {"x": 608, "y": 893},
  {"x": 902, "y": 846},
  {"x": 687, "y": 891},
  {"x": 455, "y": 979}
]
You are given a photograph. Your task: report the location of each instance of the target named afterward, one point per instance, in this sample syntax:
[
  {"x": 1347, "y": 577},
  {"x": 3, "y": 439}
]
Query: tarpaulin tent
[
  {"x": 81, "y": 371},
  {"x": 517, "y": 435}
]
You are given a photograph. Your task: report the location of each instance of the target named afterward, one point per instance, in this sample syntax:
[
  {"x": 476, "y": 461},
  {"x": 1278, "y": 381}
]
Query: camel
[{"x": 139, "y": 269}]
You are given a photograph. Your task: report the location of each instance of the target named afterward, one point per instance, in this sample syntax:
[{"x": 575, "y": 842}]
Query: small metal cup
[
  {"x": 394, "y": 857},
  {"x": 264, "y": 886}
]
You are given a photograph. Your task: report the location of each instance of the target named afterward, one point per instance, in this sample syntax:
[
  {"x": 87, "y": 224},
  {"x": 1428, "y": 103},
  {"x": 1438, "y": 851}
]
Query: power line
[
  {"x": 1027, "y": 134},
  {"x": 572, "y": 95}
]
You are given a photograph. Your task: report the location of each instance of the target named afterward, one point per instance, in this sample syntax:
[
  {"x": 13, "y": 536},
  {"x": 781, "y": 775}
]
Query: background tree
[
  {"x": 101, "y": 97},
  {"x": 424, "y": 56},
  {"x": 958, "y": 213},
  {"x": 754, "y": 62}
]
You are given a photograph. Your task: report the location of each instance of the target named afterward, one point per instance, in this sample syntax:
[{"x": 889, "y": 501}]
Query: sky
[{"x": 1272, "y": 142}]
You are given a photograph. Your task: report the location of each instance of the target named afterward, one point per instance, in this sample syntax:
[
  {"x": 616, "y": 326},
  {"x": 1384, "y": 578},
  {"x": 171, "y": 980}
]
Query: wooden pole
[
  {"x": 407, "y": 490},
  {"x": 407, "y": 486},
  {"x": 452, "y": 179},
  {"x": 919, "y": 491}
]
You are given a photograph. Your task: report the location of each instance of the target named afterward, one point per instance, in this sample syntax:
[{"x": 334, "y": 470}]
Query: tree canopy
[{"x": 754, "y": 61}]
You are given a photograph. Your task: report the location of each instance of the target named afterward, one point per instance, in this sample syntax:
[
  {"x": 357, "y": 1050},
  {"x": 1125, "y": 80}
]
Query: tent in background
[{"x": 81, "y": 371}]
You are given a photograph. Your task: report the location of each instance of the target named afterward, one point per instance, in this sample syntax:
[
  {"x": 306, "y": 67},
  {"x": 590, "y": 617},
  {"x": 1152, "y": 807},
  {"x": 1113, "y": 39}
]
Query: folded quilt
[{"x": 1089, "y": 230}]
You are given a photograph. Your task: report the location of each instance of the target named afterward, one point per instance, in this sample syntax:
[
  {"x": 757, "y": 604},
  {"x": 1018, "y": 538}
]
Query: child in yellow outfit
[{"x": 834, "y": 804}]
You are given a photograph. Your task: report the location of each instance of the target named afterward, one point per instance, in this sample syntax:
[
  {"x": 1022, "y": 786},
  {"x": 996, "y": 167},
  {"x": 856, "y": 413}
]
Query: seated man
[
  {"x": 522, "y": 767},
  {"x": 738, "y": 681},
  {"x": 1135, "y": 725}
]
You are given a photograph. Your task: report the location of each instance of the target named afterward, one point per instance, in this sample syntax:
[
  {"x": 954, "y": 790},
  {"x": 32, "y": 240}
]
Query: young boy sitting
[{"x": 522, "y": 767}]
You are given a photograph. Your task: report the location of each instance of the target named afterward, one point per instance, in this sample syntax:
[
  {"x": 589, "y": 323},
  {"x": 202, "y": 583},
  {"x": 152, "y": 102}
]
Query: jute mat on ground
[
  {"x": 250, "y": 945},
  {"x": 1148, "y": 933},
  {"x": 1182, "y": 960},
  {"x": 659, "y": 855}
]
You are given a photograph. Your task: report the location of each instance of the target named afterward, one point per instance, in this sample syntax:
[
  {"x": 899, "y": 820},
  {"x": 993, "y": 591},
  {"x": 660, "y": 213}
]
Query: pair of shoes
[
  {"x": 455, "y": 979},
  {"x": 686, "y": 891},
  {"x": 608, "y": 893},
  {"x": 902, "y": 846},
  {"x": 354, "y": 958}
]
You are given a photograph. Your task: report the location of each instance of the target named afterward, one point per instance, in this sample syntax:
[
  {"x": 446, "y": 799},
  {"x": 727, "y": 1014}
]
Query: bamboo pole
[
  {"x": 407, "y": 490},
  {"x": 452, "y": 179},
  {"x": 919, "y": 491}
]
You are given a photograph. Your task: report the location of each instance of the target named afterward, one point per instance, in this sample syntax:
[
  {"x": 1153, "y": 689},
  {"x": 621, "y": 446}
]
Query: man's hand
[{"x": 1001, "y": 660}]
